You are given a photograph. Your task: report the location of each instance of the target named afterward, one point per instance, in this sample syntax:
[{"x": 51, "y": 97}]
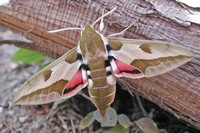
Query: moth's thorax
[{"x": 91, "y": 44}]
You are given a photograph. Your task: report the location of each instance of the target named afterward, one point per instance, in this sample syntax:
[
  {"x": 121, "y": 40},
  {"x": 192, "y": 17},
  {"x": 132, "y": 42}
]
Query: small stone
[
  {"x": 1, "y": 109},
  {"x": 11, "y": 66},
  {"x": 11, "y": 112},
  {"x": 22, "y": 119},
  {"x": 1, "y": 125}
]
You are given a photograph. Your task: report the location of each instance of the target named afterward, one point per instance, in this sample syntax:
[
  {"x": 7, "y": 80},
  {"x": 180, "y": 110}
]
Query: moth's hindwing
[
  {"x": 63, "y": 78},
  {"x": 151, "y": 58}
]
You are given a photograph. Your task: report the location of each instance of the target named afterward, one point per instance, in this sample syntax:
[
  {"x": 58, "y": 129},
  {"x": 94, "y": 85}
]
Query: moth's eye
[
  {"x": 145, "y": 47},
  {"x": 47, "y": 74}
]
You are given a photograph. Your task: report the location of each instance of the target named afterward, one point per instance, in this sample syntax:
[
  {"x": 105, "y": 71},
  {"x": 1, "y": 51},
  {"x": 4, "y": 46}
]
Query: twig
[
  {"x": 140, "y": 104},
  {"x": 73, "y": 128},
  {"x": 62, "y": 121},
  {"x": 16, "y": 43},
  {"x": 52, "y": 113}
]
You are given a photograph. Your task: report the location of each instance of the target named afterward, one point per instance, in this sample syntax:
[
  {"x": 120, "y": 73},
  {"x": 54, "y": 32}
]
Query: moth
[{"x": 96, "y": 63}]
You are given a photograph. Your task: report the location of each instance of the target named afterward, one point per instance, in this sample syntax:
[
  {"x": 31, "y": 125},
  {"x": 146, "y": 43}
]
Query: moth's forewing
[
  {"x": 150, "y": 57},
  {"x": 50, "y": 84}
]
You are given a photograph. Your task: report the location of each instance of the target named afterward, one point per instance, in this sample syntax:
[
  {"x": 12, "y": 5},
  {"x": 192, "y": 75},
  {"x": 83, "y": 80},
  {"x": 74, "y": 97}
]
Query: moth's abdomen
[
  {"x": 102, "y": 97},
  {"x": 101, "y": 84}
]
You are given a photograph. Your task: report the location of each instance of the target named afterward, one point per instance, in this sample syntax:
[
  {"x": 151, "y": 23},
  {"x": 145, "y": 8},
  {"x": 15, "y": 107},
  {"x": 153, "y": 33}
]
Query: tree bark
[{"x": 177, "y": 91}]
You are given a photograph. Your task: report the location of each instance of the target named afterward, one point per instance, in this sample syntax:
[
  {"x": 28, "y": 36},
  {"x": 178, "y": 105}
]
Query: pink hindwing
[{"x": 75, "y": 84}]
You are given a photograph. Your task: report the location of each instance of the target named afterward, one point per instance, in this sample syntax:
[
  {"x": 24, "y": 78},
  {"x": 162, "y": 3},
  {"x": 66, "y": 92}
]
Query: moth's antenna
[
  {"x": 104, "y": 15},
  {"x": 77, "y": 28},
  {"x": 122, "y": 32},
  {"x": 64, "y": 29}
]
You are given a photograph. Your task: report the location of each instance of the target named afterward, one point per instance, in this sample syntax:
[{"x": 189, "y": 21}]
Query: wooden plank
[{"x": 177, "y": 91}]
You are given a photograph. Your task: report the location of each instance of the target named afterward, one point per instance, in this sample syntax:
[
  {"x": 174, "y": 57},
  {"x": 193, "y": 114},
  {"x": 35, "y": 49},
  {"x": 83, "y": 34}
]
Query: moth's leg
[{"x": 111, "y": 11}]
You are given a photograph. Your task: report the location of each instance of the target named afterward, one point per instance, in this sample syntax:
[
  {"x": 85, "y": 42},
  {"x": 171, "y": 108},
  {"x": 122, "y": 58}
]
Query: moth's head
[{"x": 88, "y": 30}]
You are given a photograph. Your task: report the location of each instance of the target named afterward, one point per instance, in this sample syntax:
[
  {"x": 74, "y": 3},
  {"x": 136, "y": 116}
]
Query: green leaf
[
  {"x": 123, "y": 120},
  {"x": 97, "y": 116},
  {"x": 147, "y": 125},
  {"x": 108, "y": 120},
  {"x": 27, "y": 56},
  {"x": 87, "y": 121},
  {"x": 119, "y": 129}
]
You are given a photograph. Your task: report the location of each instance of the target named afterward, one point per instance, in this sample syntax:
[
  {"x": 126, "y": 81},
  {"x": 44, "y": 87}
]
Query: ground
[{"x": 67, "y": 116}]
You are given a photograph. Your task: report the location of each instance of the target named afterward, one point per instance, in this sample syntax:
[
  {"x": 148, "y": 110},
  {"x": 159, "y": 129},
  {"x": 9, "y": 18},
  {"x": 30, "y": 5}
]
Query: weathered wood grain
[{"x": 177, "y": 91}]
